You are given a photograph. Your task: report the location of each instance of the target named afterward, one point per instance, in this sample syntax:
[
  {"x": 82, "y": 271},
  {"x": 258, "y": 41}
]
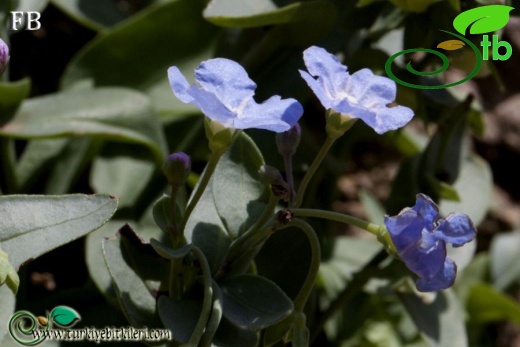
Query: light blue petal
[
  {"x": 318, "y": 90},
  {"x": 179, "y": 85},
  {"x": 371, "y": 90},
  {"x": 457, "y": 229},
  {"x": 332, "y": 75},
  {"x": 391, "y": 118},
  {"x": 211, "y": 106},
  {"x": 227, "y": 80},
  {"x": 273, "y": 114},
  {"x": 427, "y": 209},
  {"x": 442, "y": 280}
]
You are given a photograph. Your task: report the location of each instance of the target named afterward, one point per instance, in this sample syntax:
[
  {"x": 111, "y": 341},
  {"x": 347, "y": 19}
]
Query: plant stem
[
  {"x": 308, "y": 285},
  {"x": 207, "y": 303},
  {"x": 201, "y": 186},
  {"x": 314, "y": 166},
  {"x": 259, "y": 224},
  {"x": 338, "y": 217},
  {"x": 287, "y": 161}
]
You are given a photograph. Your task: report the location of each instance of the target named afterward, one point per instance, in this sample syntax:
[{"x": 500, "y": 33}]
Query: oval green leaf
[
  {"x": 64, "y": 316},
  {"x": 114, "y": 113},
  {"x": 482, "y": 19},
  {"x": 253, "y": 302},
  {"x": 238, "y": 193},
  {"x": 32, "y": 225}
]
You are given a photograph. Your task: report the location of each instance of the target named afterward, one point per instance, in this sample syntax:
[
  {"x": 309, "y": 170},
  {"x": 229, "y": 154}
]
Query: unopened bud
[
  {"x": 4, "y": 56},
  {"x": 43, "y": 321},
  {"x": 289, "y": 140},
  {"x": 177, "y": 168},
  {"x": 272, "y": 176}
]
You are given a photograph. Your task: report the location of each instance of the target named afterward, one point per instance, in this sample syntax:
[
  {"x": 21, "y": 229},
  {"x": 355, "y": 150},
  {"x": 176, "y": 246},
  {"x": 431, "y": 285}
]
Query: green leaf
[
  {"x": 11, "y": 95},
  {"x": 375, "y": 211},
  {"x": 114, "y": 113},
  {"x": 441, "y": 323},
  {"x": 205, "y": 229},
  {"x": 36, "y": 159},
  {"x": 64, "y": 316},
  {"x": 475, "y": 172},
  {"x": 228, "y": 335},
  {"x": 7, "y": 303},
  {"x": 169, "y": 253},
  {"x": 180, "y": 316},
  {"x": 485, "y": 304},
  {"x": 285, "y": 263},
  {"x": 482, "y": 19},
  {"x": 253, "y": 302},
  {"x": 256, "y": 13},
  {"x": 141, "y": 49},
  {"x": 505, "y": 268},
  {"x": 123, "y": 171},
  {"x": 135, "y": 296},
  {"x": 239, "y": 194},
  {"x": 33, "y": 225},
  {"x": 96, "y": 16}
]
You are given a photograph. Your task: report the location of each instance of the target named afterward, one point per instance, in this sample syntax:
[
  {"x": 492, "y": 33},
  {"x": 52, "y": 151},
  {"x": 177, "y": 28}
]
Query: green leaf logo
[
  {"x": 482, "y": 19},
  {"x": 64, "y": 316}
]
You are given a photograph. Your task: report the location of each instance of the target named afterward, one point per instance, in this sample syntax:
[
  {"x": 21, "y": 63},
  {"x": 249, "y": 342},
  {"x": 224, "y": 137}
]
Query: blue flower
[
  {"x": 420, "y": 237},
  {"x": 360, "y": 95},
  {"x": 224, "y": 92}
]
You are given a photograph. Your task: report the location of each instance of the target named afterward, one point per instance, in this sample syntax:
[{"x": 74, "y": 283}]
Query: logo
[
  {"x": 480, "y": 20},
  {"x": 29, "y": 20},
  {"x": 29, "y": 330},
  {"x": 33, "y": 333}
]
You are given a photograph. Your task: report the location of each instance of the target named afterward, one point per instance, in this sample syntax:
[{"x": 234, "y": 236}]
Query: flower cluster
[
  {"x": 224, "y": 92},
  {"x": 420, "y": 237}
]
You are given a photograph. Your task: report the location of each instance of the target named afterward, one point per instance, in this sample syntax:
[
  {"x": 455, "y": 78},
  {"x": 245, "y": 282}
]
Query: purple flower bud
[
  {"x": 289, "y": 140},
  {"x": 4, "y": 56},
  {"x": 177, "y": 167}
]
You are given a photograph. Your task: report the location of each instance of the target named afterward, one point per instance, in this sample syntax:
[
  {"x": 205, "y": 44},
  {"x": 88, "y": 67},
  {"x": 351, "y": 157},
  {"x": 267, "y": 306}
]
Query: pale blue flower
[
  {"x": 224, "y": 92},
  {"x": 360, "y": 95},
  {"x": 420, "y": 236}
]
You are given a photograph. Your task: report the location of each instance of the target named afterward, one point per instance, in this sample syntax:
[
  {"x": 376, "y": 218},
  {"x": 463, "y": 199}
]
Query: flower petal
[
  {"x": 405, "y": 229},
  {"x": 318, "y": 90},
  {"x": 457, "y": 229},
  {"x": 179, "y": 85},
  {"x": 332, "y": 75},
  {"x": 371, "y": 90},
  {"x": 211, "y": 106},
  {"x": 391, "y": 118},
  {"x": 425, "y": 262},
  {"x": 227, "y": 80},
  {"x": 442, "y": 280},
  {"x": 427, "y": 209},
  {"x": 273, "y": 114}
]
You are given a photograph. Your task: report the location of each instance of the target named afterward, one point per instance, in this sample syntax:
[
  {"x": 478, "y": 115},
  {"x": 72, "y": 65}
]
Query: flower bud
[
  {"x": 177, "y": 167},
  {"x": 220, "y": 137},
  {"x": 4, "y": 56},
  {"x": 272, "y": 176},
  {"x": 338, "y": 124},
  {"x": 288, "y": 141}
]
